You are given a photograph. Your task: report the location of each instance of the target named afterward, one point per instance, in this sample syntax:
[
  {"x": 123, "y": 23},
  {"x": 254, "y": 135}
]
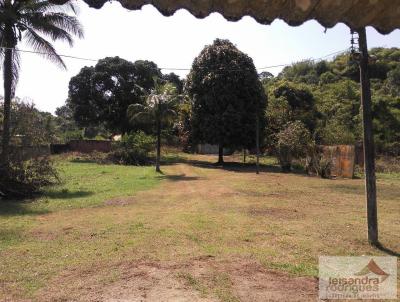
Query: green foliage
[
  {"x": 34, "y": 22},
  {"x": 300, "y": 103},
  {"x": 29, "y": 126},
  {"x": 386, "y": 123},
  {"x": 293, "y": 141},
  {"x": 101, "y": 95},
  {"x": 340, "y": 120},
  {"x": 227, "y": 96},
  {"x": 26, "y": 178},
  {"x": 183, "y": 125},
  {"x": 159, "y": 107},
  {"x": 334, "y": 85},
  {"x": 305, "y": 72},
  {"x": 32, "y": 127},
  {"x": 174, "y": 79},
  {"x": 159, "y": 110},
  {"x": 393, "y": 82},
  {"x": 289, "y": 103},
  {"x": 66, "y": 127},
  {"x": 133, "y": 149},
  {"x": 317, "y": 163}
]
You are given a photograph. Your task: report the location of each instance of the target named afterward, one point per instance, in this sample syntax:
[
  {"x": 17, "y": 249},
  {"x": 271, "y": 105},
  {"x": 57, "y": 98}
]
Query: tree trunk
[
  {"x": 220, "y": 155},
  {"x": 7, "y": 109},
  {"x": 258, "y": 144},
  {"x": 244, "y": 156},
  {"x": 158, "y": 156},
  {"x": 369, "y": 151}
]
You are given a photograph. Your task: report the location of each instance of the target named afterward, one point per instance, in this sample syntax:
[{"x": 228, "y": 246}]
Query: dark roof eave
[{"x": 383, "y": 15}]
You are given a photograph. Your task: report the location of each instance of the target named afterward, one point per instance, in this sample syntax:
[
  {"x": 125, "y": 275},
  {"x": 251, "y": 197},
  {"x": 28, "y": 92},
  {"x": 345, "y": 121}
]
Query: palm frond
[
  {"x": 140, "y": 117},
  {"x": 135, "y": 108},
  {"x": 46, "y": 6},
  {"x": 43, "y": 47},
  {"x": 58, "y": 26},
  {"x": 54, "y": 32}
]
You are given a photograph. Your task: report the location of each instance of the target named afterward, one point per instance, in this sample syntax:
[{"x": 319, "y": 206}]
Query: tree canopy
[
  {"x": 227, "y": 97},
  {"x": 101, "y": 95}
]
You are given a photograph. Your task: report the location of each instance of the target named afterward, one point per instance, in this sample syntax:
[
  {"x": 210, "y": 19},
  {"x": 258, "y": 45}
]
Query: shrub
[
  {"x": 292, "y": 142},
  {"x": 317, "y": 163},
  {"x": 26, "y": 178},
  {"x": 133, "y": 149},
  {"x": 388, "y": 164}
]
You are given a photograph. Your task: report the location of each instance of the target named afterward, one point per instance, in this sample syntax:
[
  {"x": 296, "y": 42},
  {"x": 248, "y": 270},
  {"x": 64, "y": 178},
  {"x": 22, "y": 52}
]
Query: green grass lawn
[
  {"x": 84, "y": 185},
  {"x": 72, "y": 240}
]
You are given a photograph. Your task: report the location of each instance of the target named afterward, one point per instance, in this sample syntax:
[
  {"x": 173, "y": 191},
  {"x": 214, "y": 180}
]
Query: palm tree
[
  {"x": 35, "y": 22},
  {"x": 159, "y": 108}
]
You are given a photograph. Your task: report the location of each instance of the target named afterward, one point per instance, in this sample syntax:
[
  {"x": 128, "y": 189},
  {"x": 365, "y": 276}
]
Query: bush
[
  {"x": 388, "y": 164},
  {"x": 293, "y": 142},
  {"x": 317, "y": 164},
  {"x": 26, "y": 178},
  {"x": 133, "y": 149}
]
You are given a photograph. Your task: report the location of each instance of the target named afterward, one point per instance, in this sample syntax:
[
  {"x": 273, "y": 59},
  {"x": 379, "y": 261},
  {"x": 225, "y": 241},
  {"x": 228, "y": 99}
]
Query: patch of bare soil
[
  {"x": 50, "y": 235},
  {"x": 276, "y": 212},
  {"x": 148, "y": 281},
  {"x": 120, "y": 201}
]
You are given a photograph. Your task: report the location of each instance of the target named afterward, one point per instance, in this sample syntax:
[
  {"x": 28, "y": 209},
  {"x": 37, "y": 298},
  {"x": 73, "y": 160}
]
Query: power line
[
  {"x": 311, "y": 59},
  {"x": 49, "y": 54},
  {"x": 172, "y": 68}
]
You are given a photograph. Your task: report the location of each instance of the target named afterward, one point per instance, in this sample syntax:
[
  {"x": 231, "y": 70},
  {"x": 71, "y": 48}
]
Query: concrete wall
[
  {"x": 82, "y": 146},
  {"x": 88, "y": 146}
]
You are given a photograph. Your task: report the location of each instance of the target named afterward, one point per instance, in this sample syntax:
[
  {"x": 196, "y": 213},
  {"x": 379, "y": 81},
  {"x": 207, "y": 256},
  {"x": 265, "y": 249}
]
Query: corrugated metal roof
[{"x": 383, "y": 15}]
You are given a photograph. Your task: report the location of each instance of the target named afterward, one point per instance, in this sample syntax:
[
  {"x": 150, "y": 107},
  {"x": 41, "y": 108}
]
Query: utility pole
[{"x": 369, "y": 149}]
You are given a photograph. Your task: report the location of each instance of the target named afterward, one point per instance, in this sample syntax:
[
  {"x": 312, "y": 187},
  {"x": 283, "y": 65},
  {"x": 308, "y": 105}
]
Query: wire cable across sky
[{"x": 176, "y": 68}]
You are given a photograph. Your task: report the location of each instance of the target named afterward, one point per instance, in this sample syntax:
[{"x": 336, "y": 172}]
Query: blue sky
[{"x": 173, "y": 42}]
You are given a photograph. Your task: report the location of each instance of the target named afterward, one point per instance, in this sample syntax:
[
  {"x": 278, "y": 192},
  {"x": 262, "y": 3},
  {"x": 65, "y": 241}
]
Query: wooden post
[{"x": 369, "y": 150}]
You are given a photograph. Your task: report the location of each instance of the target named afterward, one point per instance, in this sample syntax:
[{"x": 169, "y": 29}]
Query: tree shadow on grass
[
  {"x": 242, "y": 167},
  {"x": 19, "y": 208},
  {"x": 384, "y": 191},
  {"x": 66, "y": 194},
  {"x": 180, "y": 177}
]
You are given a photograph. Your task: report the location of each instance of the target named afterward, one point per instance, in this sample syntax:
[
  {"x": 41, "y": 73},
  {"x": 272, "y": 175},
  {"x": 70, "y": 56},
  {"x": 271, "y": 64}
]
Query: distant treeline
[{"x": 325, "y": 96}]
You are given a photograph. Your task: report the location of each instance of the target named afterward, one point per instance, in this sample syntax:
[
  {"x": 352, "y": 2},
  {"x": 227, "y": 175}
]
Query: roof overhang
[{"x": 383, "y": 15}]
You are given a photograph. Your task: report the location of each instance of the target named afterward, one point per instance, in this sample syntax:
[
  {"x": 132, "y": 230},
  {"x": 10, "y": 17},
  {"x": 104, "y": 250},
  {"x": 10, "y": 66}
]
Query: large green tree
[
  {"x": 34, "y": 22},
  {"x": 227, "y": 95},
  {"x": 289, "y": 102},
  {"x": 101, "y": 95}
]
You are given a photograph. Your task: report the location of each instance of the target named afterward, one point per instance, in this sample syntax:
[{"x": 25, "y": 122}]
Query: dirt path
[{"x": 205, "y": 278}]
